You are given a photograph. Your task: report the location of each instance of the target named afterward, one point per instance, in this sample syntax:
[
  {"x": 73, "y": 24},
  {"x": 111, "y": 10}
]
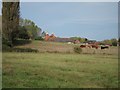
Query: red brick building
[{"x": 50, "y": 37}]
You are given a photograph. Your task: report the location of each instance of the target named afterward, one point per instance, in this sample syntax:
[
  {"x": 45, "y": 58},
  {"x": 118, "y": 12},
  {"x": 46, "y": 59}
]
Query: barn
[{"x": 63, "y": 40}]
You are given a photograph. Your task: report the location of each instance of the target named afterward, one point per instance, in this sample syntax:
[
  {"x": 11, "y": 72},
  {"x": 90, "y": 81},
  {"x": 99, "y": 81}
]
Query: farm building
[
  {"x": 63, "y": 40},
  {"x": 50, "y": 37}
]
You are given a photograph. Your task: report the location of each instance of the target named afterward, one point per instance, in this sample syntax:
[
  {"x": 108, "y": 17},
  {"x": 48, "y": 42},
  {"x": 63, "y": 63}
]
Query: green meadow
[{"x": 59, "y": 70}]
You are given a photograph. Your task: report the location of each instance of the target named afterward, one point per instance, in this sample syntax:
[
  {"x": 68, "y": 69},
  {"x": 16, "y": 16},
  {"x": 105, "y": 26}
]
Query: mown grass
[{"x": 53, "y": 70}]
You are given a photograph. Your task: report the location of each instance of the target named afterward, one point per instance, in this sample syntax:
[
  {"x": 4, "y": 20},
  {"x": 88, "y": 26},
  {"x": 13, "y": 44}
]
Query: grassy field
[
  {"x": 59, "y": 70},
  {"x": 55, "y": 47},
  {"x": 57, "y": 66}
]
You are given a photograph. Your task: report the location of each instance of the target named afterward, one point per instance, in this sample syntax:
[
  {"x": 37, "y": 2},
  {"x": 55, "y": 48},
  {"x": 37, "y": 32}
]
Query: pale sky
[{"x": 92, "y": 20}]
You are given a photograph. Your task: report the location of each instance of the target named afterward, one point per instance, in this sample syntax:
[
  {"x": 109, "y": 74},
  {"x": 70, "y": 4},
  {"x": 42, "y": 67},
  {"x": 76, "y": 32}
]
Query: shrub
[
  {"x": 8, "y": 49},
  {"x": 39, "y": 38},
  {"x": 114, "y": 43},
  {"x": 21, "y": 42},
  {"x": 77, "y": 49},
  {"x": 24, "y": 50},
  {"x": 52, "y": 51},
  {"x": 6, "y": 43}
]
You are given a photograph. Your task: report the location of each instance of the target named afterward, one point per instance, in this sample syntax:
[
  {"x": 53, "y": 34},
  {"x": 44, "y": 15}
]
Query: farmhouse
[{"x": 50, "y": 37}]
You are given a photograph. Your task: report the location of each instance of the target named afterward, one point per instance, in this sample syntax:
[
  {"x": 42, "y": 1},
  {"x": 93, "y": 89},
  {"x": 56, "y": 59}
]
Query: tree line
[
  {"x": 80, "y": 39},
  {"x": 112, "y": 41}
]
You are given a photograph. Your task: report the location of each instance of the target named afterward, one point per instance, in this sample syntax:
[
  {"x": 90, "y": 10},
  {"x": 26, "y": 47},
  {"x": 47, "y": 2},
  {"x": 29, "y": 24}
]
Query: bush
[
  {"x": 5, "y": 42},
  {"x": 8, "y": 49},
  {"x": 114, "y": 43},
  {"x": 39, "y": 38},
  {"x": 24, "y": 50},
  {"x": 77, "y": 49},
  {"x": 21, "y": 42}
]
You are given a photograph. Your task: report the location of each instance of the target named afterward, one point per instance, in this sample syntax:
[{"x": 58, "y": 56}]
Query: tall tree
[
  {"x": 10, "y": 20},
  {"x": 32, "y": 29}
]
